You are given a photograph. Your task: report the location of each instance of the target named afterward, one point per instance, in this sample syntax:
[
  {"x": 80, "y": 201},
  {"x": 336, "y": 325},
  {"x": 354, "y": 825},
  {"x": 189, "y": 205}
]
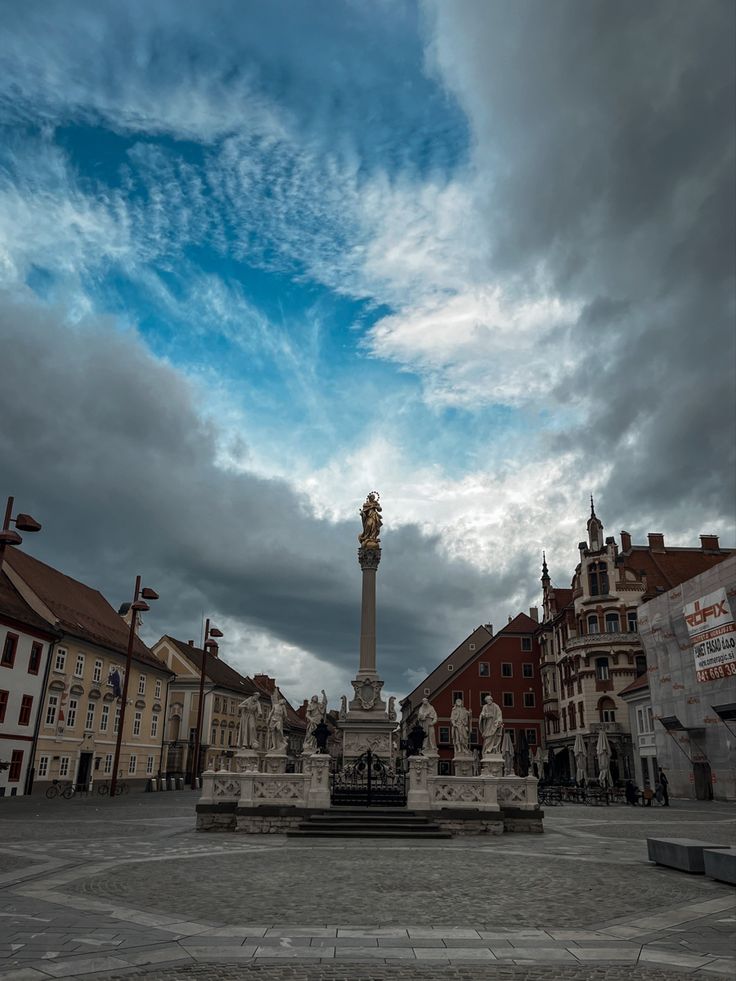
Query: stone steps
[{"x": 367, "y": 823}]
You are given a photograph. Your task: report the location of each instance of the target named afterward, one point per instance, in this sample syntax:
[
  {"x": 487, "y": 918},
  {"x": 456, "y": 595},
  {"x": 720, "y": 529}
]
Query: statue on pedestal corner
[
  {"x": 490, "y": 725},
  {"x": 460, "y": 722},
  {"x": 249, "y": 711},
  {"x": 316, "y": 712},
  {"x": 427, "y": 718},
  {"x": 276, "y": 741}
]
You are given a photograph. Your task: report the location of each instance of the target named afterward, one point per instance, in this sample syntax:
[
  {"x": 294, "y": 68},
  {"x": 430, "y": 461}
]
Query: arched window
[
  {"x": 641, "y": 665},
  {"x": 607, "y": 710},
  {"x": 601, "y": 668},
  {"x": 598, "y": 578},
  {"x": 593, "y": 624},
  {"x": 613, "y": 624}
]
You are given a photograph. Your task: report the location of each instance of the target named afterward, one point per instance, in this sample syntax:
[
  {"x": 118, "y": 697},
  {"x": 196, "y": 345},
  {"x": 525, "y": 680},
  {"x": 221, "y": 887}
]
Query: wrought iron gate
[{"x": 368, "y": 782}]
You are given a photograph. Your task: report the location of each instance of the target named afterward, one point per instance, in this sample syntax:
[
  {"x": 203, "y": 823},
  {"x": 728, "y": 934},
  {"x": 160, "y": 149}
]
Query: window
[
  {"x": 529, "y": 699},
  {"x": 104, "y": 718},
  {"x": 52, "y": 706},
  {"x": 89, "y": 722},
  {"x": 508, "y": 699},
  {"x": 592, "y": 624},
  {"x": 601, "y": 668},
  {"x": 154, "y": 726},
  {"x": 107, "y": 768},
  {"x": 3, "y": 704},
  {"x": 507, "y": 670},
  {"x": 641, "y": 664},
  {"x": 71, "y": 715},
  {"x": 598, "y": 578},
  {"x": 16, "y": 763},
  {"x": 34, "y": 661},
  {"x": 613, "y": 624},
  {"x": 564, "y": 720},
  {"x": 450, "y": 667},
  {"x": 444, "y": 734},
  {"x": 25, "y": 710},
  {"x": 222, "y": 737},
  {"x": 149, "y": 764},
  {"x": 157, "y": 689},
  {"x": 528, "y": 670},
  {"x": 213, "y": 741},
  {"x": 217, "y": 703},
  {"x": 132, "y": 763},
  {"x": 631, "y": 622},
  {"x": 456, "y": 695},
  {"x": 192, "y": 736},
  {"x": 531, "y": 737},
  {"x": 116, "y": 723},
  {"x": 9, "y": 648},
  {"x": 581, "y": 714},
  {"x": 97, "y": 672},
  {"x": 43, "y": 766},
  {"x": 64, "y": 766},
  {"x": 137, "y": 724},
  {"x": 79, "y": 666},
  {"x": 483, "y": 698},
  {"x": 607, "y": 709},
  {"x": 526, "y": 643},
  {"x": 484, "y": 669},
  {"x": 60, "y": 660},
  {"x": 571, "y": 716},
  {"x": 141, "y": 684}
]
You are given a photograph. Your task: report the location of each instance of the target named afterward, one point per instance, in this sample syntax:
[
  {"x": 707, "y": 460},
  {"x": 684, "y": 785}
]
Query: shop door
[
  {"x": 85, "y": 770},
  {"x": 703, "y": 783}
]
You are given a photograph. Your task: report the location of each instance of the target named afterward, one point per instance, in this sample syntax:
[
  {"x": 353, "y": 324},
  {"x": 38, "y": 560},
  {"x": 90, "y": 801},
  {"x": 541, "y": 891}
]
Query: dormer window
[{"x": 598, "y": 578}]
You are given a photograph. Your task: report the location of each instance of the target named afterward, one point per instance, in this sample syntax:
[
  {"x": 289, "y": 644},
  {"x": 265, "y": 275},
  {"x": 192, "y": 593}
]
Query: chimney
[
  {"x": 709, "y": 543},
  {"x": 191, "y": 643},
  {"x": 534, "y": 613},
  {"x": 656, "y": 541},
  {"x": 625, "y": 541}
]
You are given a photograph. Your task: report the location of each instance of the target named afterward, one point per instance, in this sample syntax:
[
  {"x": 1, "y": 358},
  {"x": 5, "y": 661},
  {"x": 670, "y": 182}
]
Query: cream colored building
[{"x": 80, "y": 707}]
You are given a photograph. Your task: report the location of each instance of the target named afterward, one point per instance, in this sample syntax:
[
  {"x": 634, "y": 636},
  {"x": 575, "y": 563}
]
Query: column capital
[{"x": 369, "y": 558}]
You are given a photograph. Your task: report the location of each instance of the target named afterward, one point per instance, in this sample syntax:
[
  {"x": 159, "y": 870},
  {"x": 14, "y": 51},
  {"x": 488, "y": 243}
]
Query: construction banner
[{"x": 713, "y": 634}]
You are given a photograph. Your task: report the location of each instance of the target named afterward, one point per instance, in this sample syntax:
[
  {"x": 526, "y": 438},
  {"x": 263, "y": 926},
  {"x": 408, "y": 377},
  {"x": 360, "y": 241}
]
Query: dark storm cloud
[
  {"x": 607, "y": 132},
  {"x": 105, "y": 446}
]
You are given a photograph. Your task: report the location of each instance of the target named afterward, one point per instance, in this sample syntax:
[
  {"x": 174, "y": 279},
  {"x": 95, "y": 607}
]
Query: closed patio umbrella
[
  {"x": 507, "y": 751},
  {"x": 603, "y": 752},
  {"x": 579, "y": 753}
]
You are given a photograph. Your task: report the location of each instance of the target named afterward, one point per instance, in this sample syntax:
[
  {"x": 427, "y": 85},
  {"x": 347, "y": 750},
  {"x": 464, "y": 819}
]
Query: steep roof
[
  {"x": 462, "y": 654},
  {"x": 668, "y": 568},
  {"x": 218, "y": 671},
  {"x": 80, "y": 611},
  {"x": 521, "y": 624},
  {"x": 638, "y": 684},
  {"x": 14, "y": 607}
]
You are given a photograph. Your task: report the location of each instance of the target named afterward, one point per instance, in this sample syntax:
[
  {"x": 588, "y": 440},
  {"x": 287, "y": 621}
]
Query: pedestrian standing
[{"x": 664, "y": 781}]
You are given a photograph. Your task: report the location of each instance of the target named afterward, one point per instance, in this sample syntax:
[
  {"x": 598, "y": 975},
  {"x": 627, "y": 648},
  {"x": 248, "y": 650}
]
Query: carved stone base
[
  {"x": 275, "y": 762},
  {"x": 317, "y": 767},
  {"x": 367, "y": 689},
  {"x": 492, "y": 765},
  {"x": 246, "y": 760},
  {"x": 463, "y": 764},
  {"x": 360, "y": 735}
]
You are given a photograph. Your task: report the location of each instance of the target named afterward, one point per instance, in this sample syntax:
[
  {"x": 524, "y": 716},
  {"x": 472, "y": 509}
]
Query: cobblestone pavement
[{"x": 126, "y": 888}]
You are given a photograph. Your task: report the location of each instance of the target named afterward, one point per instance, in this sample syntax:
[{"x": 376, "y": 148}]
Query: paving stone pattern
[{"x": 126, "y": 888}]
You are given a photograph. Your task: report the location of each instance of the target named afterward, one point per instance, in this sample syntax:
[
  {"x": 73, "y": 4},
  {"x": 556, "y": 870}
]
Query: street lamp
[
  {"x": 209, "y": 645},
  {"x": 138, "y": 605},
  {"x": 22, "y": 522}
]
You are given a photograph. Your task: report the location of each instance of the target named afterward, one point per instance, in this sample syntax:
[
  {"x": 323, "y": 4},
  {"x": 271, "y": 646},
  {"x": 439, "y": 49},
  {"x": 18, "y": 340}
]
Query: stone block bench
[
  {"x": 685, "y": 854},
  {"x": 720, "y": 863}
]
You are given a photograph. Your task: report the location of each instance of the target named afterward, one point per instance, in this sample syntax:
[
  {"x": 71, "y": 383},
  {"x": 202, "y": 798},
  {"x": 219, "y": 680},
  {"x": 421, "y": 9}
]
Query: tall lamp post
[
  {"x": 138, "y": 605},
  {"x": 22, "y": 522},
  {"x": 209, "y": 644}
]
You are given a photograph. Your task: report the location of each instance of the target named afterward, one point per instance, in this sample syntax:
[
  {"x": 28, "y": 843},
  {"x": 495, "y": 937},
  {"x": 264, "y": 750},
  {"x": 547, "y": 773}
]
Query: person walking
[{"x": 664, "y": 782}]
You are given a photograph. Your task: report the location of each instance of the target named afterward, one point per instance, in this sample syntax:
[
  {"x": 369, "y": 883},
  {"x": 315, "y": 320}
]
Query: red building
[{"x": 505, "y": 664}]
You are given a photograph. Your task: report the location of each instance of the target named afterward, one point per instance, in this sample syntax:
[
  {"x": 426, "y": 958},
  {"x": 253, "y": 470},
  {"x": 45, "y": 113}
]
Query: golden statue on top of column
[{"x": 370, "y": 514}]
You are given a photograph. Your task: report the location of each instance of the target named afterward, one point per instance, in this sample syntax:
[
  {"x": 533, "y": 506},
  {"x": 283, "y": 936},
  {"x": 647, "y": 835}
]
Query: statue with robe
[
  {"x": 460, "y": 723},
  {"x": 316, "y": 712},
  {"x": 370, "y": 514},
  {"x": 490, "y": 725},
  {"x": 276, "y": 741},
  {"x": 427, "y": 718},
  {"x": 250, "y": 713}
]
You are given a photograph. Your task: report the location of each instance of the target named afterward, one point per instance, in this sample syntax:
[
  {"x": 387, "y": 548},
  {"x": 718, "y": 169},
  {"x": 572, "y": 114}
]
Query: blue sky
[{"x": 453, "y": 251}]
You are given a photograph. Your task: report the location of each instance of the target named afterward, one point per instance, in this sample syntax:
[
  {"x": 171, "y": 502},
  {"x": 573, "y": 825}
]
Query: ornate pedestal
[
  {"x": 275, "y": 762},
  {"x": 317, "y": 768},
  {"x": 492, "y": 765},
  {"x": 247, "y": 760},
  {"x": 463, "y": 764}
]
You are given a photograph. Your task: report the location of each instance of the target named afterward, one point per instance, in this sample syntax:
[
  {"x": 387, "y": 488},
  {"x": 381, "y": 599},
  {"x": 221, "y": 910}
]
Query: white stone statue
[
  {"x": 250, "y": 713},
  {"x": 490, "y": 724},
  {"x": 392, "y": 708},
  {"x": 507, "y": 750},
  {"x": 276, "y": 741},
  {"x": 343, "y": 706},
  {"x": 460, "y": 722},
  {"x": 427, "y": 719},
  {"x": 316, "y": 711}
]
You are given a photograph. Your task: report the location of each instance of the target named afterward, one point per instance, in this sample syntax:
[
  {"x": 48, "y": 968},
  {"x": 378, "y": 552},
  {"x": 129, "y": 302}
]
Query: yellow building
[{"x": 80, "y": 708}]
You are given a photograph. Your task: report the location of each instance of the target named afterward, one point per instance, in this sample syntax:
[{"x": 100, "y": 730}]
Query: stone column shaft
[{"x": 369, "y": 559}]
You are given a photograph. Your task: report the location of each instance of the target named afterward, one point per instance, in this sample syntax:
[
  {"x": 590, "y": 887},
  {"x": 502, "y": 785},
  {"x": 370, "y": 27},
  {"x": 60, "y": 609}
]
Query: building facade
[
  {"x": 25, "y": 642},
  {"x": 505, "y": 665},
  {"x": 80, "y": 708},
  {"x": 690, "y": 639},
  {"x": 591, "y": 646}
]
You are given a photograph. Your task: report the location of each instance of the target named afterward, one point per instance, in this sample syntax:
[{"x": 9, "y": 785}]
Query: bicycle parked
[
  {"x": 59, "y": 789},
  {"x": 104, "y": 788}
]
